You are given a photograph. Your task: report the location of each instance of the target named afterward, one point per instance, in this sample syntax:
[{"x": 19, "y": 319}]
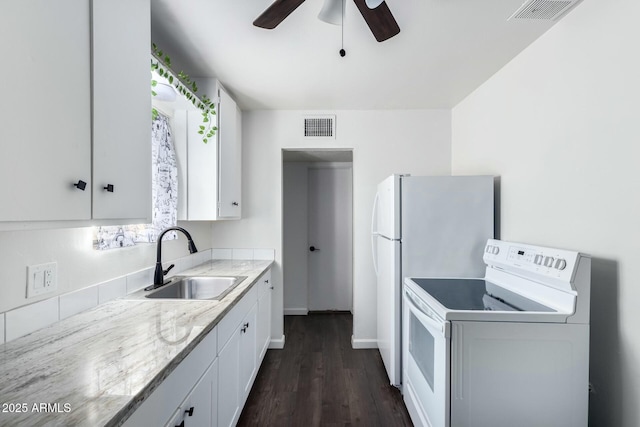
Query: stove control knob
[
  {"x": 538, "y": 260},
  {"x": 488, "y": 249},
  {"x": 495, "y": 250},
  {"x": 548, "y": 261},
  {"x": 561, "y": 264}
]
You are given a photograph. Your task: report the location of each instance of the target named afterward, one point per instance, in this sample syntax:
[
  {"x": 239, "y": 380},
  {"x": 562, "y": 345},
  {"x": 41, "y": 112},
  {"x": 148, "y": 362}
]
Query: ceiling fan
[{"x": 376, "y": 14}]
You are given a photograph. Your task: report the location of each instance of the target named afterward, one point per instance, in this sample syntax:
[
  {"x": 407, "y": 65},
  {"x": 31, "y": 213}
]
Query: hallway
[{"x": 319, "y": 380}]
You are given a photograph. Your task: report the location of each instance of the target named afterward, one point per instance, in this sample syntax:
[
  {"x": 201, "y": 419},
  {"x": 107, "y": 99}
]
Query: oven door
[{"x": 426, "y": 363}]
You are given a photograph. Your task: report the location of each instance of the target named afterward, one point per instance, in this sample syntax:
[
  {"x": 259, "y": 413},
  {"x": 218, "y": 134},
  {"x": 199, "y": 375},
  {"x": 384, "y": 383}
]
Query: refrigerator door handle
[{"x": 374, "y": 234}]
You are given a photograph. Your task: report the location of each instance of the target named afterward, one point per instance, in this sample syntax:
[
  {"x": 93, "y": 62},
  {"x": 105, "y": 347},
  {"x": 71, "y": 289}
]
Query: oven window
[{"x": 421, "y": 348}]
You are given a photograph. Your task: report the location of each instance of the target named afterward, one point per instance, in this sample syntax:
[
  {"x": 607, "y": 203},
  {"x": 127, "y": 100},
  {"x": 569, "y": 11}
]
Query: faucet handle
[{"x": 165, "y": 272}]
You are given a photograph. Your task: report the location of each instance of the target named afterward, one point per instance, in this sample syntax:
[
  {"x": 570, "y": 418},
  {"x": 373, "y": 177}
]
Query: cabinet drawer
[{"x": 232, "y": 319}]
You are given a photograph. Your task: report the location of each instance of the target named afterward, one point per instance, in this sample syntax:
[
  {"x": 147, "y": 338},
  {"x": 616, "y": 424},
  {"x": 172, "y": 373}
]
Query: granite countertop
[{"x": 96, "y": 367}]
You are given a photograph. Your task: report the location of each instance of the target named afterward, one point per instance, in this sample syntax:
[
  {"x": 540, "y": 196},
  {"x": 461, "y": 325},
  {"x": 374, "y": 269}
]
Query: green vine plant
[{"x": 161, "y": 63}]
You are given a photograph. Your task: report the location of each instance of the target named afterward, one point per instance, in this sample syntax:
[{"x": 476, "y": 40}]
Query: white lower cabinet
[
  {"x": 229, "y": 382},
  {"x": 237, "y": 358},
  {"x": 211, "y": 385},
  {"x": 200, "y": 406},
  {"x": 185, "y": 385},
  {"x": 265, "y": 289},
  {"x": 248, "y": 365}
]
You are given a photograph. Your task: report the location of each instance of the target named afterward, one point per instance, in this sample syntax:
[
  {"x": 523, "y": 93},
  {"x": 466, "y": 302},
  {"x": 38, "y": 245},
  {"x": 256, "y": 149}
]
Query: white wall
[
  {"x": 79, "y": 265},
  {"x": 559, "y": 124},
  {"x": 295, "y": 208},
  {"x": 383, "y": 142}
]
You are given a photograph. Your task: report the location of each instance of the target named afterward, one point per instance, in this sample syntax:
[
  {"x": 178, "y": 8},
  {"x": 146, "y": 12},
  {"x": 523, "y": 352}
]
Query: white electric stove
[{"x": 508, "y": 349}]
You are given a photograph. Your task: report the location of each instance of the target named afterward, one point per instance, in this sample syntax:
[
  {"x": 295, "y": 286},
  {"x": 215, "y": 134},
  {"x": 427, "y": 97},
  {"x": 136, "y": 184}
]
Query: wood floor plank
[{"x": 319, "y": 380}]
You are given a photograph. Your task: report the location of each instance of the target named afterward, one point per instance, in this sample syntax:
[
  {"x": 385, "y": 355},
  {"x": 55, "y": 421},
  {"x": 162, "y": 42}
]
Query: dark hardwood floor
[{"x": 319, "y": 380}]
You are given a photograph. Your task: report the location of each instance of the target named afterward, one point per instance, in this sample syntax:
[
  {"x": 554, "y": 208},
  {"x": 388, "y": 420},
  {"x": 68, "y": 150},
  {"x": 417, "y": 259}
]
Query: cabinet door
[
  {"x": 229, "y": 157},
  {"x": 197, "y": 406},
  {"x": 214, "y": 393},
  {"x": 264, "y": 317},
  {"x": 229, "y": 360},
  {"x": 121, "y": 37},
  {"x": 45, "y": 134},
  {"x": 202, "y": 172},
  {"x": 248, "y": 341}
]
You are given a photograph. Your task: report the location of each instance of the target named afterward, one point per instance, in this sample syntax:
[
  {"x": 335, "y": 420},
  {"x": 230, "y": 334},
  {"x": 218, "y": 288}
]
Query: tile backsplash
[
  {"x": 112, "y": 289},
  {"x": 29, "y": 318},
  {"x": 75, "y": 302}
]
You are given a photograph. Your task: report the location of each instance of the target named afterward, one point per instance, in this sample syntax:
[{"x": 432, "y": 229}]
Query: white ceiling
[{"x": 446, "y": 49}]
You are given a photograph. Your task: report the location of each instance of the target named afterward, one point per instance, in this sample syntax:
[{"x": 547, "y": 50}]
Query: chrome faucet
[{"x": 158, "y": 276}]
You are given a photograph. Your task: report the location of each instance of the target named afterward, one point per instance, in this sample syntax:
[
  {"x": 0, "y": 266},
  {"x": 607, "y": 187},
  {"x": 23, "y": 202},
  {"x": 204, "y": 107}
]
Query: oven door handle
[{"x": 427, "y": 318}]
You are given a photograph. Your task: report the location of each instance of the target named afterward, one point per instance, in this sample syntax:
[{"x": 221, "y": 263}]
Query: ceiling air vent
[
  {"x": 547, "y": 10},
  {"x": 320, "y": 126}
]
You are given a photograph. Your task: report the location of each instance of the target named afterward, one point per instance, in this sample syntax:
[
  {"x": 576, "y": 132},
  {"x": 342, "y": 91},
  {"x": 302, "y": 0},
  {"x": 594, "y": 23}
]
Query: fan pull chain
[{"x": 342, "y": 51}]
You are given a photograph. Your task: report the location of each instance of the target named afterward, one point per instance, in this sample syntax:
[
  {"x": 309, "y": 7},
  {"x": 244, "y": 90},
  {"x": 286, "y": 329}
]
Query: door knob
[{"x": 313, "y": 248}]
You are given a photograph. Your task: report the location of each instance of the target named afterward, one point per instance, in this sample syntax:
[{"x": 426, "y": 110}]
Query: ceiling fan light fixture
[
  {"x": 372, "y": 4},
  {"x": 332, "y": 12}
]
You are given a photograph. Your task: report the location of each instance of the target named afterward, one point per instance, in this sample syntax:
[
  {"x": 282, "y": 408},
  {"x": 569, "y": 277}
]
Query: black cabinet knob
[
  {"x": 81, "y": 185},
  {"x": 181, "y": 424},
  {"x": 234, "y": 203},
  {"x": 313, "y": 248},
  {"x": 189, "y": 411},
  {"x": 109, "y": 188}
]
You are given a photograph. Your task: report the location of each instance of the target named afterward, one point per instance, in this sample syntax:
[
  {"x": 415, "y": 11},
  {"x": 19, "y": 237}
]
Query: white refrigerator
[{"x": 425, "y": 226}]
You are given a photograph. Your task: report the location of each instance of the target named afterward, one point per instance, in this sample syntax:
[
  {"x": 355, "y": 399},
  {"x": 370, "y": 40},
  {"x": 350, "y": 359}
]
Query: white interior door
[{"x": 330, "y": 239}]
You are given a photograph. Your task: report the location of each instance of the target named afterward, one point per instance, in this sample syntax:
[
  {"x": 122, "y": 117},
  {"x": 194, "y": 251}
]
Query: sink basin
[{"x": 197, "y": 287}]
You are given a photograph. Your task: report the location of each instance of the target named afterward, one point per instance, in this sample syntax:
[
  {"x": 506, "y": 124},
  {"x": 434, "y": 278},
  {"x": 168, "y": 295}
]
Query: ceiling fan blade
[
  {"x": 380, "y": 20},
  {"x": 276, "y": 13}
]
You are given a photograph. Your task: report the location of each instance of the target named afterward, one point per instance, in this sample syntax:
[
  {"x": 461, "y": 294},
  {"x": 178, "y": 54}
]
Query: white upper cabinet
[
  {"x": 214, "y": 168},
  {"x": 229, "y": 141},
  {"x": 121, "y": 109},
  {"x": 202, "y": 172},
  {"x": 45, "y": 130},
  {"x": 76, "y": 107}
]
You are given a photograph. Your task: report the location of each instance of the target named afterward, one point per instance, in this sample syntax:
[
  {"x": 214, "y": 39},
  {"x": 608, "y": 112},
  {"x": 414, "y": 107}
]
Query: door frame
[{"x": 302, "y": 308}]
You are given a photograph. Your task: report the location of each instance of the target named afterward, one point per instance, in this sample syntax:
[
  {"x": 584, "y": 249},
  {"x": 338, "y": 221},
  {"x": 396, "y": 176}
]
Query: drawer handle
[
  {"x": 81, "y": 185},
  {"x": 234, "y": 204},
  {"x": 109, "y": 188},
  {"x": 189, "y": 411}
]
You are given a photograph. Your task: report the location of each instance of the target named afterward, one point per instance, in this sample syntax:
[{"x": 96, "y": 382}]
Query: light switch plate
[{"x": 42, "y": 279}]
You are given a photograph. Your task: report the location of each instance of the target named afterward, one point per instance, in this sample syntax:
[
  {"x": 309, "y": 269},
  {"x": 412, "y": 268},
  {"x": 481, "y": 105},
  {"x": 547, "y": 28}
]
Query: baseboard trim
[
  {"x": 296, "y": 311},
  {"x": 361, "y": 344},
  {"x": 277, "y": 344}
]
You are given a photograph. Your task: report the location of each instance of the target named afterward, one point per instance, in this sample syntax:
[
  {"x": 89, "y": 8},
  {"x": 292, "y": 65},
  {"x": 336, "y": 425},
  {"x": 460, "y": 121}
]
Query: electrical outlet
[{"x": 42, "y": 279}]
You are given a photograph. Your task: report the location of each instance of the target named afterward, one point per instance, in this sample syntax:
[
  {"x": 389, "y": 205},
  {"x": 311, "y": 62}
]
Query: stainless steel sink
[{"x": 197, "y": 287}]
